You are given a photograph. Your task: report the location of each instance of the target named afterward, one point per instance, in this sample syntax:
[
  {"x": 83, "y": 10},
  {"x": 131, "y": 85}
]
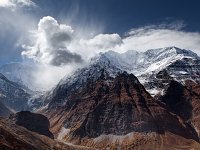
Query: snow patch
[{"x": 153, "y": 92}]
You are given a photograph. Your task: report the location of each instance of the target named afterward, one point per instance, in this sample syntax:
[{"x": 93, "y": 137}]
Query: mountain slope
[
  {"x": 183, "y": 100},
  {"x": 13, "y": 95},
  {"x": 4, "y": 111}
]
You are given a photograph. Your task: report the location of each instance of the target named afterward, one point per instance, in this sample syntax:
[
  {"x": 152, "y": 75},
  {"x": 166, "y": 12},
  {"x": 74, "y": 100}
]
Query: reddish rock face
[
  {"x": 194, "y": 89},
  {"x": 178, "y": 100},
  {"x": 184, "y": 100},
  {"x": 117, "y": 106}
]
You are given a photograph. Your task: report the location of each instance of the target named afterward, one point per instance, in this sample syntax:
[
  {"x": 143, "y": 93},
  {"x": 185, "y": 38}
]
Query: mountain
[
  {"x": 147, "y": 66},
  {"x": 14, "y": 137},
  {"x": 113, "y": 109},
  {"x": 152, "y": 60},
  {"x": 13, "y": 95},
  {"x": 4, "y": 111},
  {"x": 103, "y": 105},
  {"x": 178, "y": 63}
]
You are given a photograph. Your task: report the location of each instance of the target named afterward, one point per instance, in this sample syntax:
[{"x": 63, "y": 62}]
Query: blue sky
[
  {"x": 94, "y": 17},
  {"x": 122, "y": 15}
]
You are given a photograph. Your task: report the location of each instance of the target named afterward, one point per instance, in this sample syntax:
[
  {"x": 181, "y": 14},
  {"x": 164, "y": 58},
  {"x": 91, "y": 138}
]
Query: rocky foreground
[{"x": 14, "y": 137}]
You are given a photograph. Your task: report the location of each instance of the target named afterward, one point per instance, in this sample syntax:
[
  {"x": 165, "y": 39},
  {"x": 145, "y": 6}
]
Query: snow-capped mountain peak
[
  {"x": 142, "y": 64},
  {"x": 138, "y": 63}
]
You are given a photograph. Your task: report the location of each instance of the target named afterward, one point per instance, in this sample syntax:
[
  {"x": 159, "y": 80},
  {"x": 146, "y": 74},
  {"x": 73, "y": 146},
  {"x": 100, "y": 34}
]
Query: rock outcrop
[{"x": 33, "y": 122}]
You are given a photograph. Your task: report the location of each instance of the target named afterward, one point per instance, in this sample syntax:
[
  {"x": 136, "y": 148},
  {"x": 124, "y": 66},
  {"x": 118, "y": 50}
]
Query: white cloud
[
  {"x": 51, "y": 44},
  {"x": 88, "y": 48},
  {"x": 154, "y": 37},
  {"x": 16, "y": 3},
  {"x": 103, "y": 41}
]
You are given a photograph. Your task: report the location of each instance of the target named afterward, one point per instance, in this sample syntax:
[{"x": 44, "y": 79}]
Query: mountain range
[{"x": 131, "y": 100}]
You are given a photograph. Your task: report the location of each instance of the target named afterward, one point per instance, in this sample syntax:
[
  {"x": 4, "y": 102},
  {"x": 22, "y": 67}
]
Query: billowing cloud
[
  {"x": 103, "y": 41},
  {"x": 51, "y": 44},
  {"x": 16, "y": 3}
]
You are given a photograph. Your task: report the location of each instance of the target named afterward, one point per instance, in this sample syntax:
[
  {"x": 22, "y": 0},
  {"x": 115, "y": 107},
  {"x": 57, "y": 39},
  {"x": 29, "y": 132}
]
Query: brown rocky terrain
[
  {"x": 14, "y": 137},
  {"x": 119, "y": 112}
]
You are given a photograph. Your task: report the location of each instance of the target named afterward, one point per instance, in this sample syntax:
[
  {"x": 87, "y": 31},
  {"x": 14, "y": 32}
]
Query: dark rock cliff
[{"x": 33, "y": 122}]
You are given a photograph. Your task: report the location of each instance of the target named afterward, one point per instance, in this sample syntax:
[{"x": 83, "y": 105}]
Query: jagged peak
[
  {"x": 130, "y": 61},
  {"x": 138, "y": 63},
  {"x": 131, "y": 57},
  {"x": 171, "y": 50}
]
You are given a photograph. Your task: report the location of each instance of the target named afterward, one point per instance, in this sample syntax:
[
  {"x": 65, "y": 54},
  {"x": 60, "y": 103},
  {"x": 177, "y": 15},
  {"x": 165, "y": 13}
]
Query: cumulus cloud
[
  {"x": 103, "y": 41},
  {"x": 51, "y": 44},
  {"x": 16, "y": 3}
]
